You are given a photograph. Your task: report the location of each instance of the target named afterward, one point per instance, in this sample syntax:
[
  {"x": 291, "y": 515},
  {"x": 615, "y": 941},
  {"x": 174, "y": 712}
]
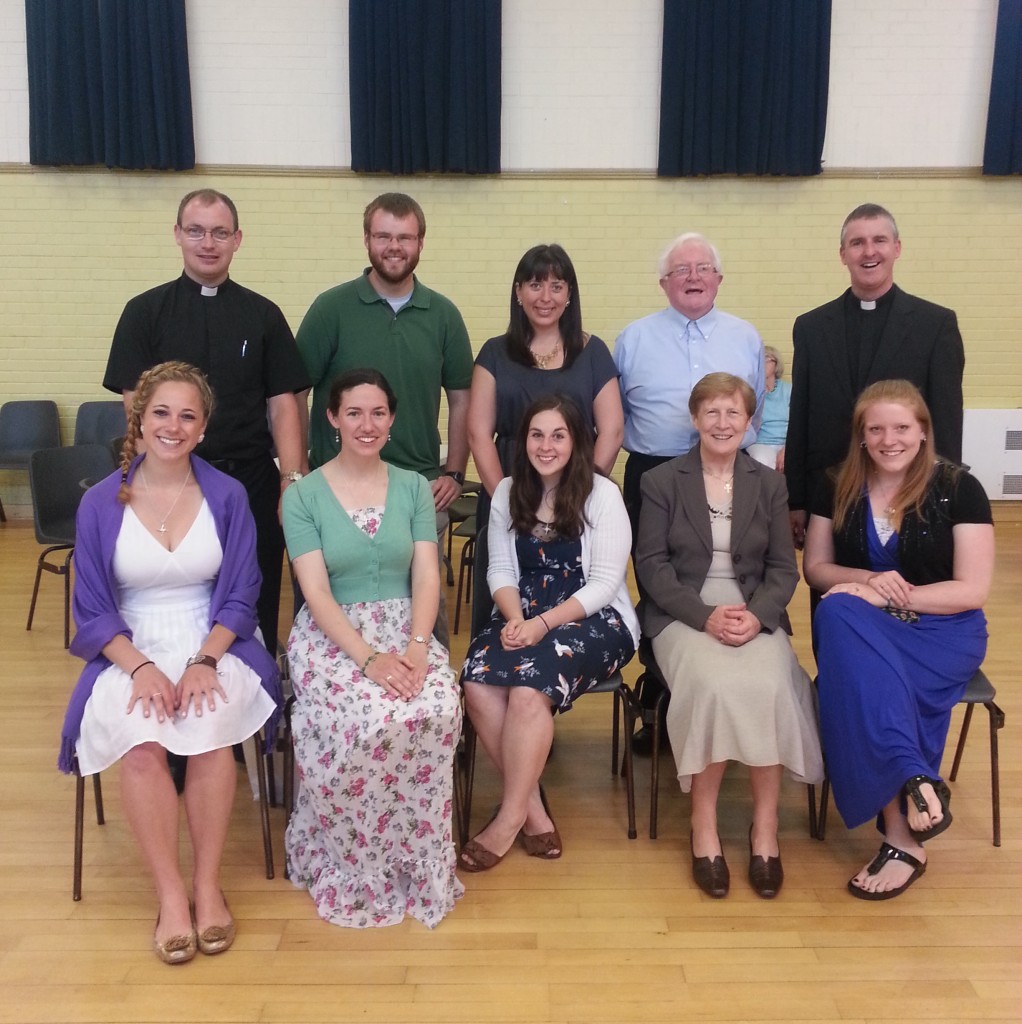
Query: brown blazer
[{"x": 675, "y": 547}]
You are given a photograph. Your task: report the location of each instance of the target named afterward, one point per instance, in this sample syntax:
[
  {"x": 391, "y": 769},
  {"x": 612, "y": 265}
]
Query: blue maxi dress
[{"x": 886, "y": 690}]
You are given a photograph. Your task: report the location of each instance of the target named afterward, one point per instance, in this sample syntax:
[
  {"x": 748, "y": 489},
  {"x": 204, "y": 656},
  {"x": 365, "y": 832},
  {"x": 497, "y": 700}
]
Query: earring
[
  {"x": 567, "y": 303},
  {"x": 519, "y": 301},
  {"x": 922, "y": 440},
  {"x": 141, "y": 429},
  {"x": 202, "y": 437},
  {"x": 862, "y": 444},
  {"x": 337, "y": 436},
  {"x": 389, "y": 436}
]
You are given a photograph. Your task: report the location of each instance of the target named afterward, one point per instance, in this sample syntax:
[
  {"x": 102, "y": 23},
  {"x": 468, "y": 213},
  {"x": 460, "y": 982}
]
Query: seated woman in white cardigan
[{"x": 563, "y": 621}]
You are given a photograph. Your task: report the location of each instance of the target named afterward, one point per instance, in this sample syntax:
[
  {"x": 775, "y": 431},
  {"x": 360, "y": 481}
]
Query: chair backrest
[
  {"x": 24, "y": 427},
  {"x": 482, "y": 602},
  {"x": 58, "y": 478},
  {"x": 99, "y": 422}
]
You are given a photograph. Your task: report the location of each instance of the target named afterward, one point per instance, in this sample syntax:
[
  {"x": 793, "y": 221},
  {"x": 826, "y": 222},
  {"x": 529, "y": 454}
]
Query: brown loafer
[{"x": 711, "y": 874}]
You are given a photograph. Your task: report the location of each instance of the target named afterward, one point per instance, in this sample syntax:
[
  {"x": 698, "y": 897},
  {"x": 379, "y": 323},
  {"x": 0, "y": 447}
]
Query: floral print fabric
[
  {"x": 571, "y": 659},
  {"x": 371, "y": 836}
]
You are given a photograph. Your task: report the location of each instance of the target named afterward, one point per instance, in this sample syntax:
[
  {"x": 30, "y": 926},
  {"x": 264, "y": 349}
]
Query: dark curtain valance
[
  {"x": 108, "y": 83},
  {"x": 425, "y": 85},
  {"x": 744, "y": 86},
  {"x": 1002, "y": 153}
]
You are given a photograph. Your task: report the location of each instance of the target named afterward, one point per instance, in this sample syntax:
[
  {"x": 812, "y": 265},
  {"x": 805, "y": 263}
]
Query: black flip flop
[
  {"x": 911, "y": 791},
  {"x": 888, "y": 852}
]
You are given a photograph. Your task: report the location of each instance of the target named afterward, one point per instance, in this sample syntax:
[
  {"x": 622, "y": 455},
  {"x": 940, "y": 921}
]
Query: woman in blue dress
[
  {"x": 903, "y": 551},
  {"x": 559, "y": 541}
]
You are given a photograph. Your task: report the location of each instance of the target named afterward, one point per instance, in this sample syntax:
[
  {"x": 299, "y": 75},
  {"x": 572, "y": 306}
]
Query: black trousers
[{"x": 261, "y": 480}]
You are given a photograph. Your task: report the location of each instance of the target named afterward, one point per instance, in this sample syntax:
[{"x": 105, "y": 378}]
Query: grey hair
[
  {"x": 688, "y": 236},
  {"x": 768, "y": 351},
  {"x": 869, "y": 211}
]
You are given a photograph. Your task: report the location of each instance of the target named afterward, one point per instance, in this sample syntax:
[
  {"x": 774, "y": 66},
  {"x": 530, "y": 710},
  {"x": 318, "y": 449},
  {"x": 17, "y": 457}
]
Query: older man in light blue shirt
[{"x": 660, "y": 358}]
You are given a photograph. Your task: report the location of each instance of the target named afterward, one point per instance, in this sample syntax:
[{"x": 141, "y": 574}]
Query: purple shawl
[{"x": 98, "y": 617}]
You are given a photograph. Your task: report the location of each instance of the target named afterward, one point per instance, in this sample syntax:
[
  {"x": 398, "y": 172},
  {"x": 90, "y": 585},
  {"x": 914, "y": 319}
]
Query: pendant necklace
[
  {"x": 163, "y": 524},
  {"x": 727, "y": 481},
  {"x": 547, "y": 528}
]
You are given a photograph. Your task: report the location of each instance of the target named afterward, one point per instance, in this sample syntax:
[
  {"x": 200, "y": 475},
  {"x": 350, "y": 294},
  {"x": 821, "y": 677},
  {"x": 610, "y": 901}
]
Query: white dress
[
  {"x": 164, "y": 598},
  {"x": 752, "y": 704}
]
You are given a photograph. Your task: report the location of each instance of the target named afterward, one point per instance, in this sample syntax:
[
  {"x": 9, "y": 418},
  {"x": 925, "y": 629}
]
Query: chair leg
[
  {"x": 264, "y": 803},
  {"x": 821, "y": 821},
  {"x": 468, "y": 772},
  {"x": 288, "y": 772},
  {"x": 467, "y": 563},
  {"x": 76, "y": 885},
  {"x": 654, "y": 780},
  {"x": 811, "y": 796},
  {"x": 962, "y": 736},
  {"x": 629, "y": 705},
  {"x": 3, "y": 514},
  {"x": 67, "y": 599},
  {"x": 97, "y": 792},
  {"x": 615, "y": 731},
  {"x": 996, "y": 722},
  {"x": 35, "y": 590}
]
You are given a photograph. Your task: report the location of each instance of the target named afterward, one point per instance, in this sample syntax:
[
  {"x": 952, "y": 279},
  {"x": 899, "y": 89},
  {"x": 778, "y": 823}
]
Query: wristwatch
[
  {"x": 201, "y": 659},
  {"x": 457, "y": 477},
  {"x": 419, "y": 639}
]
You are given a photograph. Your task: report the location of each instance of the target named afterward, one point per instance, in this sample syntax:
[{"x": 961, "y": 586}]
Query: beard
[{"x": 379, "y": 264}]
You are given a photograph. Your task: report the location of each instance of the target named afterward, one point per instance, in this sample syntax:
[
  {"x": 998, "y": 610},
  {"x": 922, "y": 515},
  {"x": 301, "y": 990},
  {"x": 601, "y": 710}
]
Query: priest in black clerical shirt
[
  {"x": 874, "y": 331},
  {"x": 243, "y": 344}
]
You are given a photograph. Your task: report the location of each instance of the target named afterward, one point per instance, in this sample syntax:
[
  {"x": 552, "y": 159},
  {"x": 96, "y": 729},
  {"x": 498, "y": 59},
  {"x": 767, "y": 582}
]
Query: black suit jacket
[
  {"x": 675, "y": 546},
  {"x": 921, "y": 343}
]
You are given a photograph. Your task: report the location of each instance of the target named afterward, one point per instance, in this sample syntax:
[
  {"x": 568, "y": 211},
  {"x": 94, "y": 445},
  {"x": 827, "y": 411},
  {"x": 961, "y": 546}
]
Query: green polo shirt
[{"x": 422, "y": 350}]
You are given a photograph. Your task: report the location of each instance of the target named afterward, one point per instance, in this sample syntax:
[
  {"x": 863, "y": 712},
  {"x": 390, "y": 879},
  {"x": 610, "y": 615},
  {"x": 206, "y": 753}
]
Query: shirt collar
[{"x": 368, "y": 294}]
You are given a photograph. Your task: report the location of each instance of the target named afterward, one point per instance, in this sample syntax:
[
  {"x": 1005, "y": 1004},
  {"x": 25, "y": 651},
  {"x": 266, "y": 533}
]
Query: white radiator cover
[{"x": 992, "y": 448}]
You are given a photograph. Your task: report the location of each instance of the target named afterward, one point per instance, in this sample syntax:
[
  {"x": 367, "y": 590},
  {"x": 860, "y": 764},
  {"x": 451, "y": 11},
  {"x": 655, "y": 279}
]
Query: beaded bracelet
[
  {"x": 372, "y": 657},
  {"x": 137, "y": 667}
]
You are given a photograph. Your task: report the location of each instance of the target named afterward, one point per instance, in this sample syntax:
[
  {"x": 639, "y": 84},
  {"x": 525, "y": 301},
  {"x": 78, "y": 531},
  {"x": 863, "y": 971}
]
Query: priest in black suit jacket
[{"x": 874, "y": 331}]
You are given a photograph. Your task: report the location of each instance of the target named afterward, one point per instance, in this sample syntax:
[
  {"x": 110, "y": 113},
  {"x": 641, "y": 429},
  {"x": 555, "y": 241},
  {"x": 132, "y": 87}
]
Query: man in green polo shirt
[{"x": 387, "y": 319}]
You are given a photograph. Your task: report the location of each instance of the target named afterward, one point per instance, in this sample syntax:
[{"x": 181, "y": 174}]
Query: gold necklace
[
  {"x": 727, "y": 481},
  {"x": 149, "y": 495},
  {"x": 544, "y": 361}
]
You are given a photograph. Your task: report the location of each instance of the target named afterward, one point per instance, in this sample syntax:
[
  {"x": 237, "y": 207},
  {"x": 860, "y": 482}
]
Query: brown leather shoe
[
  {"x": 766, "y": 876},
  {"x": 711, "y": 874}
]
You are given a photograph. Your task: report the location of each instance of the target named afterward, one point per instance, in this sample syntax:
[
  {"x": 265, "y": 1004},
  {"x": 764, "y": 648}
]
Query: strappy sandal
[
  {"x": 888, "y": 852},
  {"x": 912, "y": 792},
  {"x": 545, "y": 845},
  {"x": 482, "y": 859}
]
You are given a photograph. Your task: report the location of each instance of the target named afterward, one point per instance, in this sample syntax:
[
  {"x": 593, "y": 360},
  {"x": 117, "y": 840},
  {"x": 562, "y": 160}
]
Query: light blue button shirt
[{"x": 660, "y": 358}]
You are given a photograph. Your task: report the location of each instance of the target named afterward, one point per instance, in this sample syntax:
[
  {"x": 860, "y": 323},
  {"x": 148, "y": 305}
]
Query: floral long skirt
[{"x": 371, "y": 836}]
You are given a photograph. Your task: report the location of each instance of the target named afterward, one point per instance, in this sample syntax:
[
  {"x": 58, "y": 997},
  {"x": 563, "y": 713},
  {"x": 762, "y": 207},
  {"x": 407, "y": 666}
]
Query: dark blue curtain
[
  {"x": 425, "y": 85},
  {"x": 1002, "y": 153},
  {"x": 108, "y": 83},
  {"x": 744, "y": 86}
]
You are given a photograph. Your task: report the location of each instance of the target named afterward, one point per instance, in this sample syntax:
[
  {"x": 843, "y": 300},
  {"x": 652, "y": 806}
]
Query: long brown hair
[
  {"x": 576, "y": 481},
  {"x": 173, "y": 372},
  {"x": 853, "y": 476}
]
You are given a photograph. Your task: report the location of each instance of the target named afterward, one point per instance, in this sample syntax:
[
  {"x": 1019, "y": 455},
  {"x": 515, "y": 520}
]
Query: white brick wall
[{"x": 910, "y": 82}]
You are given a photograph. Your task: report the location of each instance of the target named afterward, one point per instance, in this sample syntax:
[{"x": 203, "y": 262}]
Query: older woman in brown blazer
[{"x": 717, "y": 565}]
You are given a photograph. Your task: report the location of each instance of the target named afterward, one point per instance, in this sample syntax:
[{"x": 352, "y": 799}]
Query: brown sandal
[
  {"x": 482, "y": 859},
  {"x": 545, "y": 845}
]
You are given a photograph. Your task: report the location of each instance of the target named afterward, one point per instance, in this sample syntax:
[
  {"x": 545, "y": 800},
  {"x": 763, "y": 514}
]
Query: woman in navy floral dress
[{"x": 559, "y": 542}]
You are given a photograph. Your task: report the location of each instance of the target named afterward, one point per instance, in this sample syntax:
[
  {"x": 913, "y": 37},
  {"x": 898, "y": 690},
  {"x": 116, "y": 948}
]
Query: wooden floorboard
[{"x": 615, "y": 931}]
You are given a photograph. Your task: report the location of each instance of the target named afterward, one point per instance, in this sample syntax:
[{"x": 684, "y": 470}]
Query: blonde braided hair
[{"x": 176, "y": 372}]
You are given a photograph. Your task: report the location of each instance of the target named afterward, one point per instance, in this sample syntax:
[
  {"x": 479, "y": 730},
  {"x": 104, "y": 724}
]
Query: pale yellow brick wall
[{"x": 77, "y": 245}]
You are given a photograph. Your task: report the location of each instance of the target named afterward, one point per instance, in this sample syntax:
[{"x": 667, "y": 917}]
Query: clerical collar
[
  {"x": 869, "y": 305},
  {"x": 206, "y": 290}
]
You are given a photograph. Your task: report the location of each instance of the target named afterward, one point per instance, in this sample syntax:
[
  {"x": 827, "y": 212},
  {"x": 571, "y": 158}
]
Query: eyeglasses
[
  {"x": 196, "y": 234},
  {"x": 405, "y": 241},
  {"x": 699, "y": 269}
]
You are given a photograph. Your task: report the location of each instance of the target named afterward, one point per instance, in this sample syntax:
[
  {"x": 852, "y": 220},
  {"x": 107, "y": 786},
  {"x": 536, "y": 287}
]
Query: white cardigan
[{"x": 606, "y": 545}]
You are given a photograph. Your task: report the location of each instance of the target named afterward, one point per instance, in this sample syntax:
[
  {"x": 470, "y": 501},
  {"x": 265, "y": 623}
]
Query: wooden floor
[{"x": 615, "y": 931}]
